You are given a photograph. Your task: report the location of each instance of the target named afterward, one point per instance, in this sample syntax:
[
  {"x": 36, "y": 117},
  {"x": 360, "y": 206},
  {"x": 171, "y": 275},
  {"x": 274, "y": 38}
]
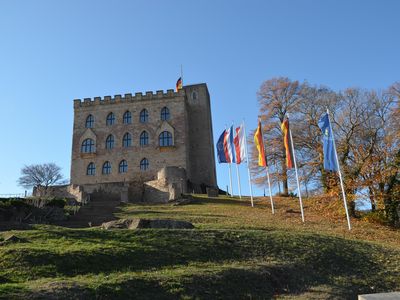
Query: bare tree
[
  {"x": 40, "y": 175},
  {"x": 276, "y": 97}
]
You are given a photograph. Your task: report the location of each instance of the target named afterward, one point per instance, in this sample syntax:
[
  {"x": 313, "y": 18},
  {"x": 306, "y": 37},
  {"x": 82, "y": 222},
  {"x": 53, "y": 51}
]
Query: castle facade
[{"x": 123, "y": 141}]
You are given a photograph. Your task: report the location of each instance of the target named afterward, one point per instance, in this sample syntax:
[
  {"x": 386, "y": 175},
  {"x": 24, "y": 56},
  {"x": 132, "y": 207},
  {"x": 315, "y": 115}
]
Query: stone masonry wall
[
  {"x": 158, "y": 157},
  {"x": 201, "y": 143}
]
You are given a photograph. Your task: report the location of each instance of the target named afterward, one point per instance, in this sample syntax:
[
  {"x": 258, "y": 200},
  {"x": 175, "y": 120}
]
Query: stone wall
[
  {"x": 70, "y": 191},
  {"x": 201, "y": 142},
  {"x": 157, "y": 156}
]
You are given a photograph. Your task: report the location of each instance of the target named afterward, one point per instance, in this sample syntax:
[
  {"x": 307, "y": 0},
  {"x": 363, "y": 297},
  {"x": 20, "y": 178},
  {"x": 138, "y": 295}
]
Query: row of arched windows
[
  {"x": 122, "y": 167},
  {"x": 164, "y": 140},
  {"x": 127, "y": 117}
]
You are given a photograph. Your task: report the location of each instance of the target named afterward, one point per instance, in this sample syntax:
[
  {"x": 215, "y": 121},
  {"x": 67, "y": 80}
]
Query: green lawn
[{"x": 235, "y": 252}]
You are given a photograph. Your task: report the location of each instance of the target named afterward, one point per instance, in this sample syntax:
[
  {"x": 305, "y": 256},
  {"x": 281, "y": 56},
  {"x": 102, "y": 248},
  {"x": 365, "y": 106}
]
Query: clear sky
[{"x": 54, "y": 51}]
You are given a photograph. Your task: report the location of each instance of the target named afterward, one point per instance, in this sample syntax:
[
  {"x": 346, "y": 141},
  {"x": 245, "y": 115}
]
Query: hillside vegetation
[{"x": 235, "y": 252}]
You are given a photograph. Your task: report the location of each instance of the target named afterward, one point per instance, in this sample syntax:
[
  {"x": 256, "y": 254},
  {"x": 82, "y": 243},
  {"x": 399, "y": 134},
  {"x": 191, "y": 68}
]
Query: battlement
[{"x": 127, "y": 98}]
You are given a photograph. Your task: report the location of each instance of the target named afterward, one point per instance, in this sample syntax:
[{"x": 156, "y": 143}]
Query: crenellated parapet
[{"x": 127, "y": 98}]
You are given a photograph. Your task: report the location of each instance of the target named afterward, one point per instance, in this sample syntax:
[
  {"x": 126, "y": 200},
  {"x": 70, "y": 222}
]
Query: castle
[{"x": 143, "y": 147}]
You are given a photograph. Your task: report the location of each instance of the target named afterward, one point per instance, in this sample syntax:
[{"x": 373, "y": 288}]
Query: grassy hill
[{"x": 235, "y": 252}]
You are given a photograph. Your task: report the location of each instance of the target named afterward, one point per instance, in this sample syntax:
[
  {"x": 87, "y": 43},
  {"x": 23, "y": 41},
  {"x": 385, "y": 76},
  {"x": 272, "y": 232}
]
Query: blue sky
[{"x": 55, "y": 51}]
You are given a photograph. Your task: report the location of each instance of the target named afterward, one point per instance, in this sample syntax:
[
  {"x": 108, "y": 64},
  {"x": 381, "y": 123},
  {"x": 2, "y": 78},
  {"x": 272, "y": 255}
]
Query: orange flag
[
  {"x": 179, "y": 84},
  {"x": 258, "y": 140},
  {"x": 287, "y": 144}
]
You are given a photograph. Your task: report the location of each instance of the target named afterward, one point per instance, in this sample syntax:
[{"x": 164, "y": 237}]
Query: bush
[
  {"x": 56, "y": 202},
  {"x": 377, "y": 217},
  {"x": 14, "y": 202}
]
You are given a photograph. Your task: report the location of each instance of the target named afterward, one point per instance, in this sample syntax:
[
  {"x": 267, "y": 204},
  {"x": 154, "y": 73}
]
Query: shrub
[
  {"x": 56, "y": 202},
  {"x": 378, "y": 217}
]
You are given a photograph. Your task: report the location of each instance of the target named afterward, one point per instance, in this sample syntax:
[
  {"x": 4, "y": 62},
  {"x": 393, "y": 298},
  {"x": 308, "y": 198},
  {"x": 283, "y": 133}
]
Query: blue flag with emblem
[
  {"x": 328, "y": 143},
  {"x": 220, "y": 148}
]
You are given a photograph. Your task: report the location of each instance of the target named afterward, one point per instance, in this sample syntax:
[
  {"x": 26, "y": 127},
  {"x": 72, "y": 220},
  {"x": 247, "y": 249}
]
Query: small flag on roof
[{"x": 179, "y": 84}]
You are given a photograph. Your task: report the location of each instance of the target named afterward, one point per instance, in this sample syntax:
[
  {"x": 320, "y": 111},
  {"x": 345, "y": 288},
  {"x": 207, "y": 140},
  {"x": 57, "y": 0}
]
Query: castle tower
[{"x": 201, "y": 143}]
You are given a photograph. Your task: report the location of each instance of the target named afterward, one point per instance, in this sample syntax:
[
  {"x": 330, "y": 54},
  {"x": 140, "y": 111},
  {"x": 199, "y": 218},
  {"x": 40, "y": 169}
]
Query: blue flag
[
  {"x": 328, "y": 142},
  {"x": 226, "y": 147},
  {"x": 220, "y": 148}
]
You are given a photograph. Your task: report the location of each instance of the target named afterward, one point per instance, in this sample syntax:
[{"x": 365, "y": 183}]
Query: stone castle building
[{"x": 144, "y": 147}]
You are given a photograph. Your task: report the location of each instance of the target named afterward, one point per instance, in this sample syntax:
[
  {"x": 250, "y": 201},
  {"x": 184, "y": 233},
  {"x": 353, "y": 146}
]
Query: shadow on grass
[
  {"x": 236, "y": 202},
  {"x": 302, "y": 260}
]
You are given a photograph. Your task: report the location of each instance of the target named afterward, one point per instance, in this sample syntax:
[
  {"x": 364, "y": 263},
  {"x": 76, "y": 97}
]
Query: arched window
[
  {"x": 165, "y": 114},
  {"x": 194, "y": 95},
  {"x": 127, "y": 140},
  {"x": 110, "y": 119},
  {"x": 87, "y": 146},
  {"x": 144, "y": 164},
  {"x": 106, "y": 168},
  {"x": 110, "y": 142},
  {"x": 123, "y": 166},
  {"x": 89, "y": 121},
  {"x": 144, "y": 138},
  {"x": 144, "y": 116},
  {"x": 127, "y": 117},
  {"x": 165, "y": 139},
  {"x": 91, "y": 169}
]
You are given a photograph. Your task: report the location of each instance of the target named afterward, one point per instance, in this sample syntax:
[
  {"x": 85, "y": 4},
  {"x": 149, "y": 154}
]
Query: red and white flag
[{"x": 240, "y": 144}]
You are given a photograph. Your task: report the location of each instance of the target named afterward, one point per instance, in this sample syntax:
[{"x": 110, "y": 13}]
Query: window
[
  {"x": 91, "y": 169},
  {"x": 144, "y": 138},
  {"x": 144, "y": 116},
  {"x": 144, "y": 164},
  {"x": 87, "y": 146},
  {"x": 123, "y": 166},
  {"x": 194, "y": 95},
  {"x": 89, "y": 121},
  {"x": 165, "y": 139},
  {"x": 106, "y": 168},
  {"x": 165, "y": 114},
  {"x": 127, "y": 140},
  {"x": 110, "y": 142},
  {"x": 127, "y": 117},
  {"x": 110, "y": 119}
]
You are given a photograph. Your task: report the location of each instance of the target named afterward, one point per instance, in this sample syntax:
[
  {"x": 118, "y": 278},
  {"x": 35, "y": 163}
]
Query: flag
[
  {"x": 179, "y": 84},
  {"x": 229, "y": 146},
  {"x": 258, "y": 140},
  {"x": 220, "y": 148},
  {"x": 240, "y": 144},
  {"x": 328, "y": 143},
  {"x": 287, "y": 143},
  {"x": 225, "y": 147}
]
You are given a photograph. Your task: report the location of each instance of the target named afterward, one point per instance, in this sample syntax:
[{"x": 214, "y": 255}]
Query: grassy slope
[{"x": 235, "y": 252}]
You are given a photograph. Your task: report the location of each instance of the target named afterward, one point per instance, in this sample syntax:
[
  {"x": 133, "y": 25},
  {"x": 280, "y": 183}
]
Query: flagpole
[
  {"x": 237, "y": 167},
  {"x": 238, "y": 177},
  {"x": 248, "y": 167},
  {"x": 340, "y": 173},
  {"x": 297, "y": 176},
  {"x": 266, "y": 169},
  {"x": 270, "y": 193},
  {"x": 230, "y": 179},
  {"x": 230, "y": 174},
  {"x": 182, "y": 74}
]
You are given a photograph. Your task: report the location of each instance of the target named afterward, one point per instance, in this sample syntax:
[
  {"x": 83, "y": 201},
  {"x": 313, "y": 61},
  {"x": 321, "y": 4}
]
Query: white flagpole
[
  {"x": 270, "y": 193},
  {"x": 230, "y": 179},
  {"x": 248, "y": 167},
  {"x": 182, "y": 74},
  {"x": 230, "y": 174},
  {"x": 238, "y": 177},
  {"x": 297, "y": 176},
  {"x": 237, "y": 167},
  {"x": 266, "y": 169},
  {"x": 340, "y": 173}
]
